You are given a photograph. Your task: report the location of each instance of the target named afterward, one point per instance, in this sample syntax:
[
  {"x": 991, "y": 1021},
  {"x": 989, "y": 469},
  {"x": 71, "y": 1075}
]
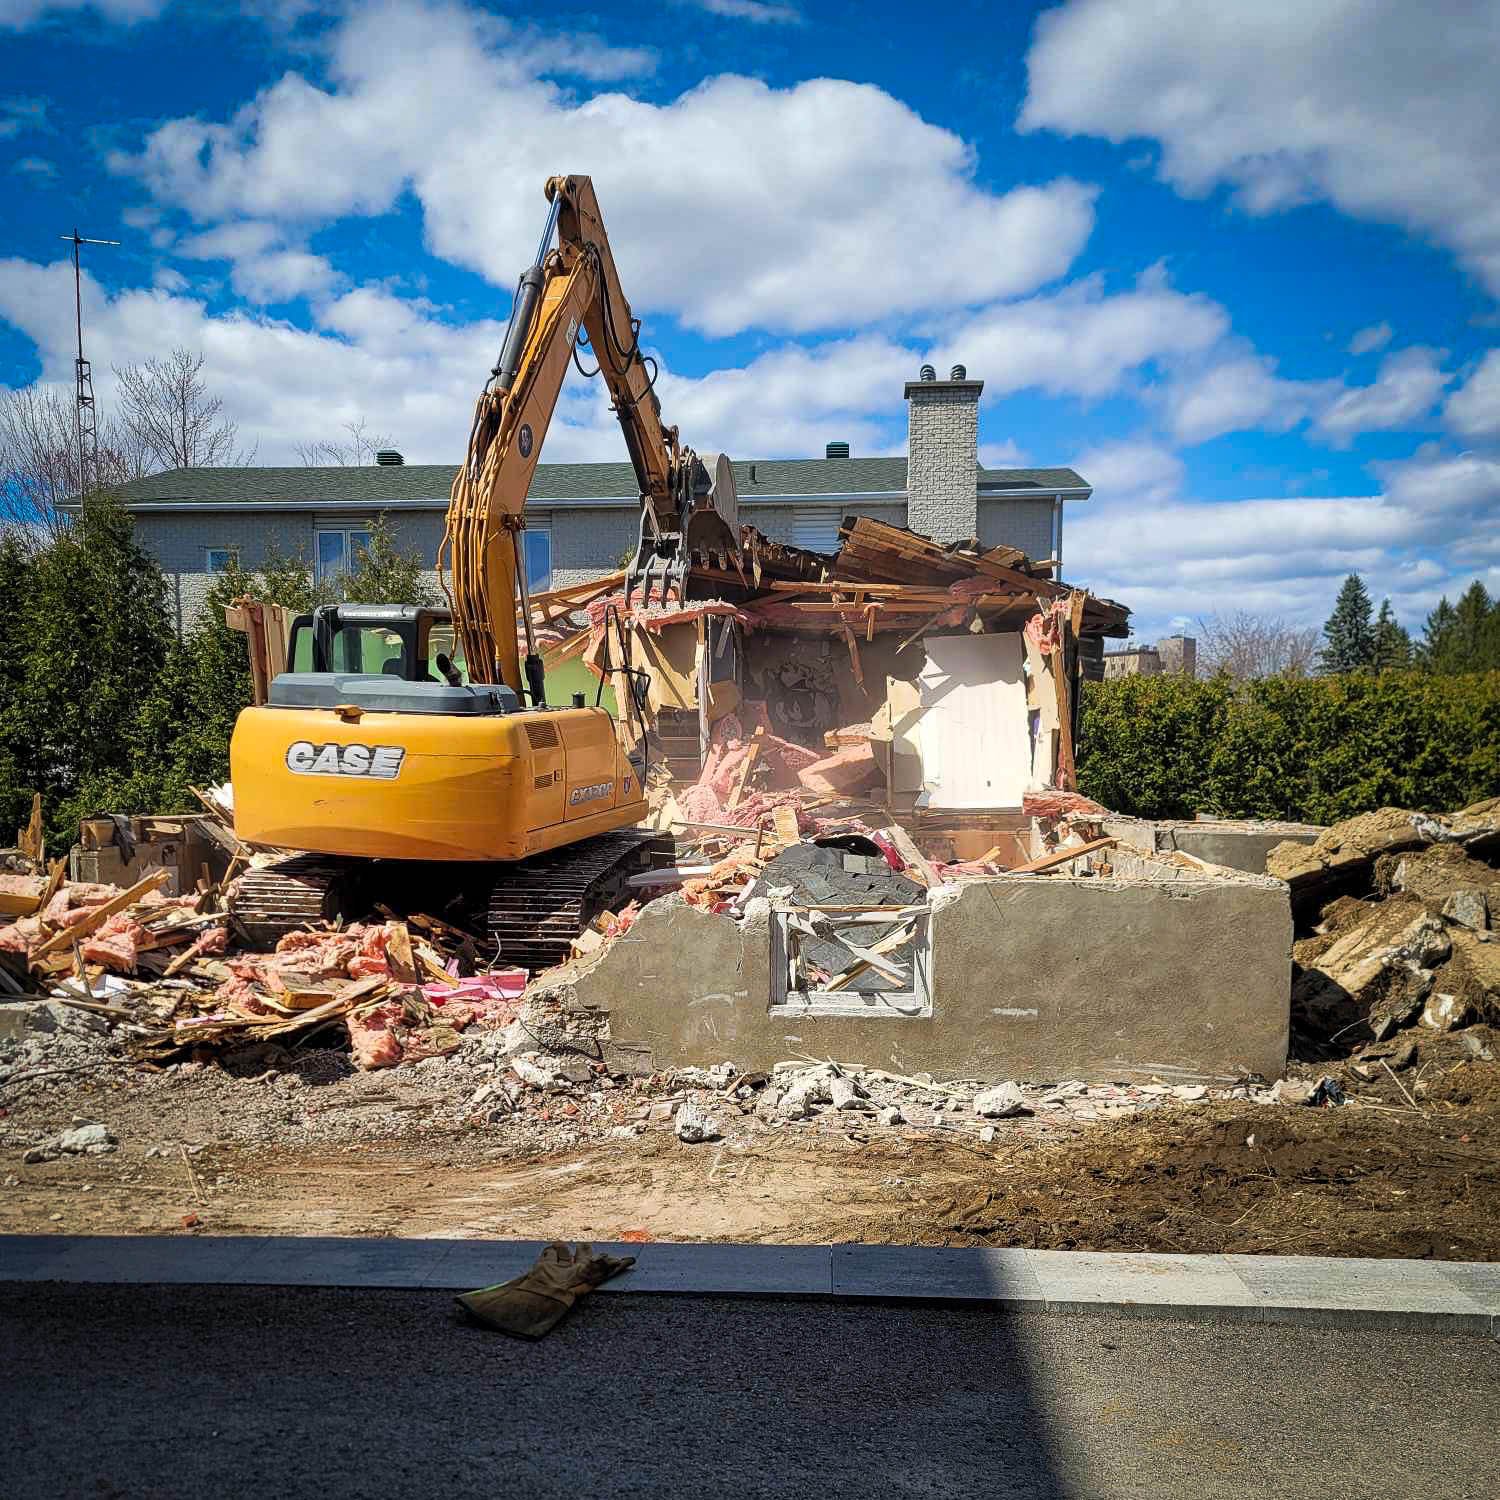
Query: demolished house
[{"x": 860, "y": 767}]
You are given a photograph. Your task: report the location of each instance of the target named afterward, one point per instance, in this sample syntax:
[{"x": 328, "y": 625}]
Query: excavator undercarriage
[{"x": 525, "y": 914}]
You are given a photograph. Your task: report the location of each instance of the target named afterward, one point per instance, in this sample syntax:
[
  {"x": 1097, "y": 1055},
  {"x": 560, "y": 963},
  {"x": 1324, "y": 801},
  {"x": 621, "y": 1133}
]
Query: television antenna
[{"x": 85, "y": 417}]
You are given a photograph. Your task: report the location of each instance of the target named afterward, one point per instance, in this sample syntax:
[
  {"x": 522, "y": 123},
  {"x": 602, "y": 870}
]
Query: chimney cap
[
  {"x": 926, "y": 373},
  {"x": 389, "y": 458},
  {"x": 836, "y": 450},
  {"x": 958, "y": 372}
]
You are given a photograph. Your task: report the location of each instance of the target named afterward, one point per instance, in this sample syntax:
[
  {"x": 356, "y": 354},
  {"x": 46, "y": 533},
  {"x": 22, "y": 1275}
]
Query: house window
[
  {"x": 220, "y": 559},
  {"x": 338, "y": 551},
  {"x": 538, "y": 551}
]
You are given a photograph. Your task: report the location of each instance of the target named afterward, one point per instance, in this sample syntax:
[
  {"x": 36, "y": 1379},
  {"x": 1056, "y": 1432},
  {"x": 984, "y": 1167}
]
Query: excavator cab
[{"x": 408, "y": 641}]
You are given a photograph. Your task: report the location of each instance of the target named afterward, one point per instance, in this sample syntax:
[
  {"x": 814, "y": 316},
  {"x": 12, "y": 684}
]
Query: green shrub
[{"x": 1307, "y": 748}]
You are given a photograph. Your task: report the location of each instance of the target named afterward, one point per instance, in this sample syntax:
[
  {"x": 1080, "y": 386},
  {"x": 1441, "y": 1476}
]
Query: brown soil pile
[{"x": 1253, "y": 1181}]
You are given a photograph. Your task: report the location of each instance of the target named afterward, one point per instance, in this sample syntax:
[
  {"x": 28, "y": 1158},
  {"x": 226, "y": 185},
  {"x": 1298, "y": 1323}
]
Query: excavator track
[
  {"x": 539, "y": 905},
  {"x": 533, "y": 909},
  {"x": 302, "y": 890}
]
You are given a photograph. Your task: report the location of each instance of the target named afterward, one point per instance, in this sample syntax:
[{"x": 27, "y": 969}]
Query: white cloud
[
  {"x": 1136, "y": 472},
  {"x": 230, "y": 241},
  {"x": 1240, "y": 393},
  {"x": 17, "y": 15},
  {"x": 1082, "y": 341},
  {"x": 732, "y": 206},
  {"x": 1473, "y": 410},
  {"x": 1408, "y": 386},
  {"x": 1367, "y": 340},
  {"x": 1439, "y": 484},
  {"x": 1386, "y": 109},
  {"x": 36, "y": 166},
  {"x": 265, "y": 270},
  {"x": 761, "y": 12},
  {"x": 1143, "y": 540}
]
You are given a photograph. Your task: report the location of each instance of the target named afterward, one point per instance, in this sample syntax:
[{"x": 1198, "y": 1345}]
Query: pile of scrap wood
[
  {"x": 69, "y": 928},
  {"x": 399, "y": 995},
  {"x": 168, "y": 968}
]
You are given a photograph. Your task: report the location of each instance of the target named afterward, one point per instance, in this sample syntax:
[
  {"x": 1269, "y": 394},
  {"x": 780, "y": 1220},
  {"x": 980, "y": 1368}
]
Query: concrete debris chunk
[
  {"x": 845, "y": 1093},
  {"x": 1001, "y": 1102},
  {"x": 1293, "y": 1091},
  {"x": 768, "y": 1103},
  {"x": 1190, "y": 1091},
  {"x": 1444, "y": 1012},
  {"x": 1468, "y": 907},
  {"x": 890, "y": 1115},
  {"x": 695, "y": 1125},
  {"x": 663, "y": 1110},
  {"x": 536, "y": 1069}
]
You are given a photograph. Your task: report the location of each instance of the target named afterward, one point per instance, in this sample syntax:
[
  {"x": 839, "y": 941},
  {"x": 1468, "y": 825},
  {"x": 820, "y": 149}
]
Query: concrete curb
[{"x": 1449, "y": 1297}]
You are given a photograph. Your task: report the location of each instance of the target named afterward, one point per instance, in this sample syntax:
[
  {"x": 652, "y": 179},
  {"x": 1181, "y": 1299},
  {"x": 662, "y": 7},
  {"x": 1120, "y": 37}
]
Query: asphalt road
[{"x": 126, "y": 1391}]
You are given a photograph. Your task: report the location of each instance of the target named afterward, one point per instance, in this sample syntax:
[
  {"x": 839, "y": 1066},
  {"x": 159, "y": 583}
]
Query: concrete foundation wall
[
  {"x": 1236, "y": 844},
  {"x": 1032, "y": 977}
]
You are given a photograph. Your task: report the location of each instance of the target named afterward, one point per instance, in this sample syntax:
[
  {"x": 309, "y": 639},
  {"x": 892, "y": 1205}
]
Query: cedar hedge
[{"x": 1311, "y": 749}]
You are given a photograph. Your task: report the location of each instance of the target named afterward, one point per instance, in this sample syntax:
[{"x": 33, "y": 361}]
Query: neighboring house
[
  {"x": 583, "y": 519},
  {"x": 1177, "y": 656}
]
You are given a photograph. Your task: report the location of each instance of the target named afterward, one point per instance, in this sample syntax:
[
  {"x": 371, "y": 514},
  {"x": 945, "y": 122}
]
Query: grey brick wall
[
  {"x": 1005, "y": 521},
  {"x": 942, "y": 458},
  {"x": 179, "y": 542}
]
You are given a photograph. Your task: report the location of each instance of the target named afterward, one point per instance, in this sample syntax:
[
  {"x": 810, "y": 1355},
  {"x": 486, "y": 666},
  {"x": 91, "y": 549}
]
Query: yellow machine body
[{"x": 429, "y": 786}]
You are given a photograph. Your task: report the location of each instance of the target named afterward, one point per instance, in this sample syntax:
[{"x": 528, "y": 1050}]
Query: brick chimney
[{"x": 942, "y": 454}]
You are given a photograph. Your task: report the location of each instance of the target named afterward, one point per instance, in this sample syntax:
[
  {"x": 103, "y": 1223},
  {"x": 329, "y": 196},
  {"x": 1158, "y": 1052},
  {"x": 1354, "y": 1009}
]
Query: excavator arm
[{"x": 687, "y": 503}]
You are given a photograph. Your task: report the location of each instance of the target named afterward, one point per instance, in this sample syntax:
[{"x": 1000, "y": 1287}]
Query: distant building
[{"x": 1177, "y": 655}]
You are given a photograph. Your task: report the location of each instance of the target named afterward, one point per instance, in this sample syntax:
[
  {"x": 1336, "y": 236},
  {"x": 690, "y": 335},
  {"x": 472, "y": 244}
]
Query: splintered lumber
[
  {"x": 399, "y": 955},
  {"x": 906, "y": 847},
  {"x": 873, "y": 958},
  {"x": 752, "y": 754},
  {"x": 101, "y": 914},
  {"x": 32, "y": 843},
  {"x": 785, "y": 821},
  {"x": 1060, "y": 857}
]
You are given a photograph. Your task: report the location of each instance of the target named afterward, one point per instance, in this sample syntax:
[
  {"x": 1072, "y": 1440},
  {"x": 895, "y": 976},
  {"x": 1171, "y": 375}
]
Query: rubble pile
[
  {"x": 1397, "y": 915},
  {"x": 109, "y": 974}
]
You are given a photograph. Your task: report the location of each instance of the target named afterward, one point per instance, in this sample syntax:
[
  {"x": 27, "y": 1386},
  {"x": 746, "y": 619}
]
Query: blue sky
[{"x": 1237, "y": 264}]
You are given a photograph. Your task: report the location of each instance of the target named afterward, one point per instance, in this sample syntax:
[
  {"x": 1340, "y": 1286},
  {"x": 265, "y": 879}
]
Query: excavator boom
[{"x": 688, "y": 507}]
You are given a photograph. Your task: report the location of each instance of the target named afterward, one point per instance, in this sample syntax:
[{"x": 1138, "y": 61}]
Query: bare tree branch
[
  {"x": 1247, "y": 645},
  {"x": 39, "y": 466},
  {"x": 360, "y": 449},
  {"x": 167, "y": 406}
]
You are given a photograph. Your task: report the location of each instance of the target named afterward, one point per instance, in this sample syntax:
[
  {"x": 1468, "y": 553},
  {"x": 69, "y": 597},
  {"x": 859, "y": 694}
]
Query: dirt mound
[{"x": 1304, "y": 1182}]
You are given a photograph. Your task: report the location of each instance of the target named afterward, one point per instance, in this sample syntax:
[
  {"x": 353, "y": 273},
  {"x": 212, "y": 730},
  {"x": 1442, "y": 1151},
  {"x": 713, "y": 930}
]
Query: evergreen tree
[
  {"x": 1437, "y": 637},
  {"x": 1465, "y": 638},
  {"x": 1392, "y": 643},
  {"x": 94, "y": 640},
  {"x": 383, "y": 574},
  {"x": 1349, "y": 634}
]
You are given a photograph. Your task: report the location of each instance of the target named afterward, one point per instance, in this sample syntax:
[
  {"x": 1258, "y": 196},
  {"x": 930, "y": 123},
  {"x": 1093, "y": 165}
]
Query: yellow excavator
[{"x": 418, "y": 761}]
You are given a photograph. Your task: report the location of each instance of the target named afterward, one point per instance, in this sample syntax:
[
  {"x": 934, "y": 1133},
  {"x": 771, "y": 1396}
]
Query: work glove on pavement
[{"x": 530, "y": 1306}]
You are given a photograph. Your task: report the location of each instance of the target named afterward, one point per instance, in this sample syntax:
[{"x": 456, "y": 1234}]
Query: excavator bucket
[{"x": 707, "y": 534}]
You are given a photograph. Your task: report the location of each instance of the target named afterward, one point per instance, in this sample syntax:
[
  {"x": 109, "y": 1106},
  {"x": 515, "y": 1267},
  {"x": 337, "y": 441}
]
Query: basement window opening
[{"x": 875, "y": 963}]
